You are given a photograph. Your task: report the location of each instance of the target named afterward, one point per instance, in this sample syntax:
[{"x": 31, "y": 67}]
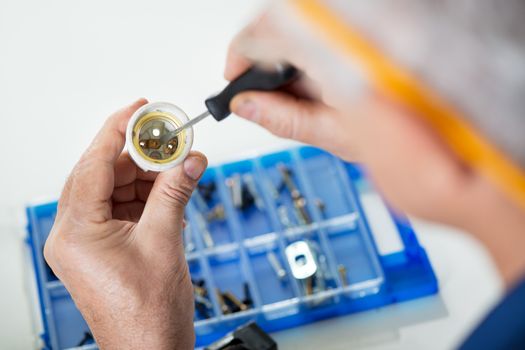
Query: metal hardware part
[
  {"x": 286, "y": 174},
  {"x": 282, "y": 211},
  {"x": 280, "y": 272},
  {"x": 188, "y": 241},
  {"x": 252, "y": 189},
  {"x": 247, "y": 295},
  {"x": 274, "y": 193},
  {"x": 224, "y": 308},
  {"x": 301, "y": 211},
  {"x": 200, "y": 290},
  {"x": 217, "y": 213},
  {"x": 301, "y": 259},
  {"x": 299, "y": 202},
  {"x": 309, "y": 288},
  {"x": 235, "y": 186},
  {"x": 343, "y": 274},
  {"x": 232, "y": 299},
  {"x": 321, "y": 206},
  {"x": 203, "y": 229}
]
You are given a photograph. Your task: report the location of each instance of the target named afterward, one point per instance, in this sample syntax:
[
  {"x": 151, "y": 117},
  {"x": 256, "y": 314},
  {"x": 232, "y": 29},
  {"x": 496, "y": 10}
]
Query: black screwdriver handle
[{"x": 255, "y": 78}]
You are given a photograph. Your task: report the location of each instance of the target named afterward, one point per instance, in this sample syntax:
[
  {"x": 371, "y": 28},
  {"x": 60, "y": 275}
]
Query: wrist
[{"x": 124, "y": 317}]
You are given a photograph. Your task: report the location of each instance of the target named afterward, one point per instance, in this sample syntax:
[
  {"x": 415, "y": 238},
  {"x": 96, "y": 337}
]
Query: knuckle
[
  {"x": 48, "y": 251},
  {"x": 177, "y": 194},
  {"x": 51, "y": 251}
]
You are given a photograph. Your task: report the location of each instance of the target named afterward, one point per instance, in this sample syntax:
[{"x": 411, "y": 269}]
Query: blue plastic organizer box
[{"x": 244, "y": 272}]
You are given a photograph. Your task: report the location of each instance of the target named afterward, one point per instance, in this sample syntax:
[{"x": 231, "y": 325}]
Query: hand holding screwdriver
[{"x": 255, "y": 78}]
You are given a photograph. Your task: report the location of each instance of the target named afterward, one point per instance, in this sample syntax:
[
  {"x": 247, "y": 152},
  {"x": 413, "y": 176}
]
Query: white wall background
[{"x": 66, "y": 65}]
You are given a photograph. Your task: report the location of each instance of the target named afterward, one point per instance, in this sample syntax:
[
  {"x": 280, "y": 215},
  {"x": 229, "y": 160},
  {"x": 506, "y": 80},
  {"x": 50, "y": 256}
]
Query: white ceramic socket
[{"x": 145, "y": 163}]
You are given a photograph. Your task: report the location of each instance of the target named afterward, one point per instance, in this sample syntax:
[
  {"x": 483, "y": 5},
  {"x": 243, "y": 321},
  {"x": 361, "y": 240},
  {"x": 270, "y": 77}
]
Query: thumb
[
  {"x": 163, "y": 214},
  {"x": 282, "y": 114}
]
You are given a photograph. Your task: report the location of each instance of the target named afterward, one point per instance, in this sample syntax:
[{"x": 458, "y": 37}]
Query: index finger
[
  {"x": 93, "y": 178},
  {"x": 255, "y": 43}
]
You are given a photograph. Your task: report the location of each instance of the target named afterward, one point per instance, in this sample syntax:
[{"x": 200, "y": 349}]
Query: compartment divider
[
  {"x": 235, "y": 226},
  {"x": 309, "y": 194},
  {"x": 361, "y": 222},
  {"x": 274, "y": 217},
  {"x": 206, "y": 270}
]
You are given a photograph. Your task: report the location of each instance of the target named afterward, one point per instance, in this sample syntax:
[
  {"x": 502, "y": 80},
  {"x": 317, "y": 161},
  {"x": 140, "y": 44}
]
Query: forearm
[{"x": 499, "y": 224}]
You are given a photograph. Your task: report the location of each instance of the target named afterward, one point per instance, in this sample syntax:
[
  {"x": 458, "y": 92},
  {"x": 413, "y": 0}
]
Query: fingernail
[
  {"x": 194, "y": 167},
  {"x": 246, "y": 109}
]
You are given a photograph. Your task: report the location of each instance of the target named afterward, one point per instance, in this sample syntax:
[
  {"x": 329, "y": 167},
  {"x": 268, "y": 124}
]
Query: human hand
[
  {"x": 409, "y": 163},
  {"x": 116, "y": 244}
]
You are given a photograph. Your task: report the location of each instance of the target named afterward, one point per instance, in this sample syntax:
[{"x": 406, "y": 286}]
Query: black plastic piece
[
  {"x": 87, "y": 339},
  {"x": 252, "y": 337},
  {"x": 247, "y": 337},
  {"x": 255, "y": 78},
  {"x": 248, "y": 300}
]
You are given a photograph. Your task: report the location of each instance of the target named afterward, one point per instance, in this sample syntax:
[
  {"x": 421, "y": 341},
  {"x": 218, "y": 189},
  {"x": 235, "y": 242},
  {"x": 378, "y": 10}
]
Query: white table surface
[{"x": 65, "y": 65}]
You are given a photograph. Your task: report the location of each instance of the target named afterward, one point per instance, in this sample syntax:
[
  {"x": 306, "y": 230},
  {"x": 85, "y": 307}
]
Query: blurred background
[{"x": 66, "y": 65}]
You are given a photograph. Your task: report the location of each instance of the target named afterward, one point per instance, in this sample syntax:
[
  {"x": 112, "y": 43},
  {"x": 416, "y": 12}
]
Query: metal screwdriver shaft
[
  {"x": 191, "y": 122},
  {"x": 255, "y": 78}
]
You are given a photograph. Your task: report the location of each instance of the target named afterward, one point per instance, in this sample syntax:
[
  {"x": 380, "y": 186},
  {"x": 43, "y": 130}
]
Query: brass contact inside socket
[{"x": 147, "y": 134}]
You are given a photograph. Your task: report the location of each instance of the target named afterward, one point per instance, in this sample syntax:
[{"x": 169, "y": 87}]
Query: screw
[
  {"x": 232, "y": 299},
  {"x": 252, "y": 189},
  {"x": 343, "y": 274},
  {"x": 200, "y": 290},
  {"x": 235, "y": 186},
  {"x": 202, "y": 309},
  {"x": 302, "y": 213},
  {"x": 309, "y": 285},
  {"x": 205, "y": 233},
  {"x": 188, "y": 242},
  {"x": 283, "y": 216},
  {"x": 276, "y": 265},
  {"x": 321, "y": 206},
  {"x": 217, "y": 213},
  {"x": 224, "y": 308},
  {"x": 286, "y": 174},
  {"x": 247, "y": 295}
]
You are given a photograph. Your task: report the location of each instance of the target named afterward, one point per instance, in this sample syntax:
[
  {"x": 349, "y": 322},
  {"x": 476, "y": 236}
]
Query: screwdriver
[{"x": 255, "y": 78}]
